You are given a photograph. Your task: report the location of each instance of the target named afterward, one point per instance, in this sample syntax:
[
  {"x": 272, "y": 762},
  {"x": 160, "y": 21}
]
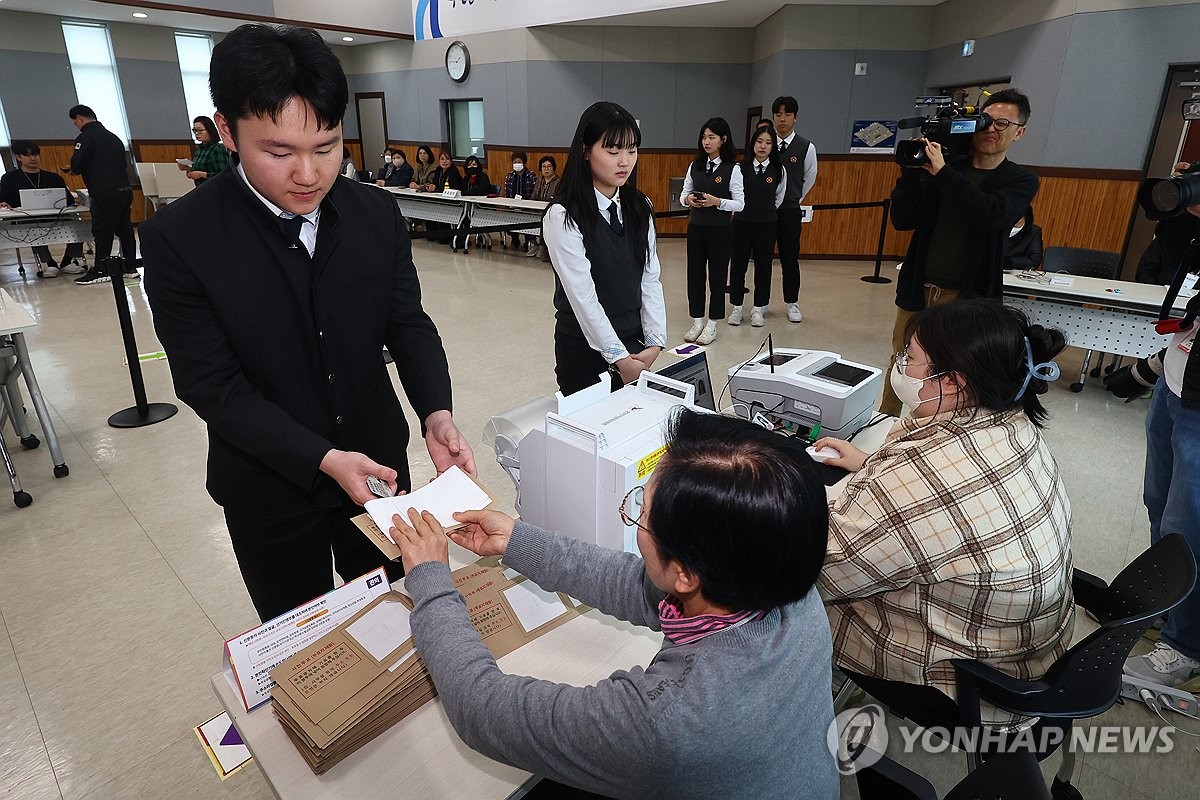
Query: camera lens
[{"x": 1165, "y": 195}]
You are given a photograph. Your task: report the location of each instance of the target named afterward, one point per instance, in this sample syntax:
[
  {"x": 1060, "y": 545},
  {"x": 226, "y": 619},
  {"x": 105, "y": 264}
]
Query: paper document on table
[
  {"x": 187, "y": 162},
  {"x": 382, "y": 629},
  {"x": 451, "y": 491},
  {"x": 533, "y": 605}
]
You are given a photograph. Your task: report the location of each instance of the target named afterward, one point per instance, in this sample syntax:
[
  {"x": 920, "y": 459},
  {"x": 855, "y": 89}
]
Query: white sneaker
[
  {"x": 72, "y": 268},
  {"x": 735, "y": 316},
  {"x": 694, "y": 331},
  {"x": 1164, "y": 664},
  {"x": 49, "y": 271},
  {"x": 793, "y": 311},
  {"x": 758, "y": 316},
  {"x": 708, "y": 334}
]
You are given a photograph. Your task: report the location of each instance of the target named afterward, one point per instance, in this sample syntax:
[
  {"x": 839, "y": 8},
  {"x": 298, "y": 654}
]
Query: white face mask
[
  {"x": 907, "y": 388},
  {"x": 518, "y": 167}
]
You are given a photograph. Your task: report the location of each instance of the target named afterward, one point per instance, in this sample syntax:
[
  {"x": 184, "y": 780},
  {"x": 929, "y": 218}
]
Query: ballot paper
[
  {"x": 250, "y": 657},
  {"x": 533, "y": 605},
  {"x": 451, "y": 491}
]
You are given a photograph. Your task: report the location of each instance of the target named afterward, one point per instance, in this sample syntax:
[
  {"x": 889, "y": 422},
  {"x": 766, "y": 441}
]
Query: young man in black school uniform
[
  {"x": 275, "y": 287},
  {"x": 800, "y": 160}
]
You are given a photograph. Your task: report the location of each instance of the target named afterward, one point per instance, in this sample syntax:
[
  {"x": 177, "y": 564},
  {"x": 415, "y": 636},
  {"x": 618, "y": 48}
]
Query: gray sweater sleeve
[
  {"x": 599, "y": 738},
  {"x": 612, "y": 582}
]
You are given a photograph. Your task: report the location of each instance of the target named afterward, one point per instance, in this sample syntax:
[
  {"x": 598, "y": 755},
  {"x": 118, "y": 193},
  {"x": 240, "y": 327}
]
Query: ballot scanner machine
[
  {"x": 573, "y": 459},
  {"x": 796, "y": 389}
]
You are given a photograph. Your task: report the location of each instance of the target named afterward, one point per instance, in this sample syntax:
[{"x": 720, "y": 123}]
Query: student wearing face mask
[
  {"x": 954, "y": 539},
  {"x": 519, "y": 183},
  {"x": 1023, "y": 250},
  {"x": 398, "y": 171},
  {"x": 475, "y": 183}
]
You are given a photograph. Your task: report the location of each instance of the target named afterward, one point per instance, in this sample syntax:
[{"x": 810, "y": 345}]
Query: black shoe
[{"x": 93, "y": 275}]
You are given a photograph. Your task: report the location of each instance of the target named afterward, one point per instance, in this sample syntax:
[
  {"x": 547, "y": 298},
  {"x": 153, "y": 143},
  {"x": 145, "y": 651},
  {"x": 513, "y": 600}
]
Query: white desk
[
  {"x": 1108, "y": 316},
  {"x": 473, "y": 210},
  {"x": 35, "y": 227},
  {"x": 422, "y": 756},
  {"x": 15, "y": 364},
  {"x": 429, "y": 206}
]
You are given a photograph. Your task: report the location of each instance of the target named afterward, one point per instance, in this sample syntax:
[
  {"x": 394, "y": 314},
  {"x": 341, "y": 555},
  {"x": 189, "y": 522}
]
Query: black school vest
[
  {"x": 793, "y": 162},
  {"x": 618, "y": 278},
  {"x": 716, "y": 185},
  {"x": 760, "y": 193}
]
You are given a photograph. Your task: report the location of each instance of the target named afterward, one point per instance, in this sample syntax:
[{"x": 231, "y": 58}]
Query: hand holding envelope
[{"x": 421, "y": 539}]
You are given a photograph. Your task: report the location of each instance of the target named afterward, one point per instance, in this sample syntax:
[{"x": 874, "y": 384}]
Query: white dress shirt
[
  {"x": 308, "y": 233},
  {"x": 564, "y": 242},
  {"x": 736, "y": 202},
  {"x": 810, "y": 164}
]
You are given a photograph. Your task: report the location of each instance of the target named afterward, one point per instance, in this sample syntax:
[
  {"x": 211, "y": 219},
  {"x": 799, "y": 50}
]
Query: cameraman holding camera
[
  {"x": 1171, "y": 491},
  {"x": 962, "y": 211}
]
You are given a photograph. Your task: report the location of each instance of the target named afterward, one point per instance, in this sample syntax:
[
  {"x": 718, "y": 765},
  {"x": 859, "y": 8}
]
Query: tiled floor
[{"x": 118, "y": 585}]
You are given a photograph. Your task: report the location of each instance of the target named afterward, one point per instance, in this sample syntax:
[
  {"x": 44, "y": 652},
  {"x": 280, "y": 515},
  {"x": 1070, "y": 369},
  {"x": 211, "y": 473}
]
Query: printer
[
  {"x": 796, "y": 389},
  {"x": 574, "y": 458}
]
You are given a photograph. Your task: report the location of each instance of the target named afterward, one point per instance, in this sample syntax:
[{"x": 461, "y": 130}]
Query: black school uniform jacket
[{"x": 281, "y": 355}]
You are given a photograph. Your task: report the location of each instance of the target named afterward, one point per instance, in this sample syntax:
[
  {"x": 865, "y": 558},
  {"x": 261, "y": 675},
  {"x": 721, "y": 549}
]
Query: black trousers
[
  {"x": 287, "y": 558},
  {"x": 576, "y": 364},
  {"x": 757, "y": 238},
  {"x": 708, "y": 248},
  {"x": 788, "y": 237},
  {"x": 110, "y": 218}
]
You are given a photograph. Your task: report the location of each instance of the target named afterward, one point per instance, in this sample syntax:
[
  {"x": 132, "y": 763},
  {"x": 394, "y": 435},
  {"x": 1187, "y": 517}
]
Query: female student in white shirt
[
  {"x": 608, "y": 301},
  {"x": 712, "y": 189},
  {"x": 765, "y": 181}
]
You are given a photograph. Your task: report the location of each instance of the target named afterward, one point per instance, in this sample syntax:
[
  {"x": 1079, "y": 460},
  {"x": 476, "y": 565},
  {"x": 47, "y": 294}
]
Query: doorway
[
  {"x": 372, "y": 127},
  {"x": 753, "y": 115}
]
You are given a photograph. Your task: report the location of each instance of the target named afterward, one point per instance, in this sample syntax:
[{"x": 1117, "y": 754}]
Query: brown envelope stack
[{"x": 365, "y": 675}]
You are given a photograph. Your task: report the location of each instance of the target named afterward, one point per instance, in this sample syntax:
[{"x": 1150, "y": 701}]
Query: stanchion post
[
  {"x": 883, "y": 222},
  {"x": 142, "y": 413}
]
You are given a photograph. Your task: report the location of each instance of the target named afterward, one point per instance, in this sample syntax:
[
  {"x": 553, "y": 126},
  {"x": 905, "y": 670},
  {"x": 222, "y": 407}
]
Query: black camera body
[
  {"x": 949, "y": 124},
  {"x": 1163, "y": 198}
]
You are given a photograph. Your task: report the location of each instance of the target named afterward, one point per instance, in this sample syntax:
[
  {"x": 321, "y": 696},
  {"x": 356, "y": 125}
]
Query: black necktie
[
  {"x": 783, "y": 147},
  {"x": 292, "y": 226},
  {"x": 760, "y": 170},
  {"x": 711, "y": 168},
  {"x": 614, "y": 220}
]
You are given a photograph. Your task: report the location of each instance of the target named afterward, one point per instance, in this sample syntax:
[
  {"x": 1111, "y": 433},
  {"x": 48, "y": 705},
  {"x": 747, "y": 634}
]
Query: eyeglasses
[
  {"x": 1004, "y": 124},
  {"x": 632, "y": 507},
  {"x": 199, "y": 130},
  {"x": 902, "y": 362}
]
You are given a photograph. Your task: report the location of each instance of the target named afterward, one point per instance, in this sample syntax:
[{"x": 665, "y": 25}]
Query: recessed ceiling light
[
  {"x": 140, "y": 14},
  {"x": 347, "y": 38}
]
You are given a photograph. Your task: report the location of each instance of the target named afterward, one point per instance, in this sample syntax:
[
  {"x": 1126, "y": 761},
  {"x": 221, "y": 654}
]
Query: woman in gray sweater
[{"x": 732, "y": 527}]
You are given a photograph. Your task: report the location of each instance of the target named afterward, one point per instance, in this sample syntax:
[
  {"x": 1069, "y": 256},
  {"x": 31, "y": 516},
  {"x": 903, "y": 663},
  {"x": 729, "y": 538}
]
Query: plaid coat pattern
[{"x": 952, "y": 541}]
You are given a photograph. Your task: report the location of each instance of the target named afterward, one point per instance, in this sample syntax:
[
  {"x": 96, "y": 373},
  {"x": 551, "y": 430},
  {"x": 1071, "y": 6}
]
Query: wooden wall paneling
[
  {"x": 356, "y": 153},
  {"x": 162, "y": 152},
  {"x": 1085, "y": 212}
]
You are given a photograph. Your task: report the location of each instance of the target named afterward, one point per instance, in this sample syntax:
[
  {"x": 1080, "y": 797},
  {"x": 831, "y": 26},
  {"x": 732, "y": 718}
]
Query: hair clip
[{"x": 1045, "y": 371}]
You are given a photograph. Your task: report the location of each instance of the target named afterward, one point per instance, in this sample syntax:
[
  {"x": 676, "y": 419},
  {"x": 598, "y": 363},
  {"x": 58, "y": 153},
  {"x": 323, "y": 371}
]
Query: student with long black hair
[
  {"x": 764, "y": 181},
  {"x": 609, "y": 310},
  {"x": 712, "y": 189}
]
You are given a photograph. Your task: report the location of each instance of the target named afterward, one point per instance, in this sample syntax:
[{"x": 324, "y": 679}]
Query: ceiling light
[
  {"x": 140, "y": 15},
  {"x": 347, "y": 38}
]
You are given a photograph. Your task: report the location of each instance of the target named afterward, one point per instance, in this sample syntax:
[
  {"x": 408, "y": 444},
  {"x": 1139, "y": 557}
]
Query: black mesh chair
[
  {"x": 1088, "y": 264},
  {"x": 1086, "y": 680},
  {"x": 1009, "y": 776}
]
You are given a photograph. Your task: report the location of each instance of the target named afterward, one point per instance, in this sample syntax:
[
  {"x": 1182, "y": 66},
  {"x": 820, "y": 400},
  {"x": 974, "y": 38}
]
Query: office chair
[
  {"x": 1089, "y": 264},
  {"x": 1086, "y": 680},
  {"x": 1009, "y": 776}
]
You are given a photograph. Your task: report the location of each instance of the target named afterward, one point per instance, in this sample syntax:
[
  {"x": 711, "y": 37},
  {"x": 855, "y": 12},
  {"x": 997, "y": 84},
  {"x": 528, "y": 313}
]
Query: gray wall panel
[
  {"x": 517, "y": 105},
  {"x": 894, "y": 78},
  {"x": 766, "y": 81},
  {"x": 821, "y": 81},
  {"x": 36, "y": 105},
  {"x": 710, "y": 90},
  {"x": 1115, "y": 68},
  {"x": 647, "y": 92},
  {"x": 559, "y": 91},
  {"x": 153, "y": 92}
]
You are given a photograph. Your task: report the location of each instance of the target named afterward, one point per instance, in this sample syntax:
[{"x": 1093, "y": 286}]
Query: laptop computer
[
  {"x": 43, "y": 199},
  {"x": 694, "y": 370}
]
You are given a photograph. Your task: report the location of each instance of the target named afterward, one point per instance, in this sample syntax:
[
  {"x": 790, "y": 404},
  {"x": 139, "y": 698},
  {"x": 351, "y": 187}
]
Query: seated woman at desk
[
  {"x": 398, "y": 172},
  {"x": 736, "y": 703},
  {"x": 954, "y": 539},
  {"x": 423, "y": 180},
  {"x": 446, "y": 176}
]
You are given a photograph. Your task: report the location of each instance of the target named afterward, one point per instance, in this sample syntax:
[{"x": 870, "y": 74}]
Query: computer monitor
[
  {"x": 694, "y": 370},
  {"x": 43, "y": 199}
]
